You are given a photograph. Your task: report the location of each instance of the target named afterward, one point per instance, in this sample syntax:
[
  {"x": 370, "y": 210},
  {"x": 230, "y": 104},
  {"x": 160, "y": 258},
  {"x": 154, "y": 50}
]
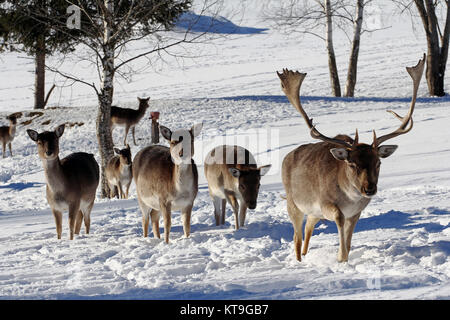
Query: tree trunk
[
  {"x": 105, "y": 97},
  {"x": 39, "y": 82},
  {"x": 436, "y": 55},
  {"x": 332, "y": 66},
  {"x": 353, "y": 62}
]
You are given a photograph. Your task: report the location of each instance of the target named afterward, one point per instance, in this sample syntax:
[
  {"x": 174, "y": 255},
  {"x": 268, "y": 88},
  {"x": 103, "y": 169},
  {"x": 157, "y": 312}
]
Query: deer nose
[
  {"x": 252, "y": 205},
  {"x": 48, "y": 153},
  {"x": 371, "y": 189}
]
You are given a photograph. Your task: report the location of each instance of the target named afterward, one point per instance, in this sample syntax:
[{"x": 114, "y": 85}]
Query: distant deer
[
  {"x": 167, "y": 179},
  {"x": 7, "y": 134},
  {"x": 334, "y": 179},
  {"x": 233, "y": 176},
  {"x": 119, "y": 174},
  {"x": 128, "y": 118},
  {"x": 71, "y": 182}
]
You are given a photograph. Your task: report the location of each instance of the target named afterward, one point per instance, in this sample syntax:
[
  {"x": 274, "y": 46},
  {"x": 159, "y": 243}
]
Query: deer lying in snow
[
  {"x": 119, "y": 174},
  {"x": 167, "y": 179},
  {"x": 334, "y": 179},
  {"x": 71, "y": 182},
  {"x": 7, "y": 134},
  {"x": 128, "y": 118},
  {"x": 233, "y": 176}
]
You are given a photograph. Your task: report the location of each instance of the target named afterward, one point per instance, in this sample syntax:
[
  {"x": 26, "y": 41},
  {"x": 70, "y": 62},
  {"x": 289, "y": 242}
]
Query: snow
[{"x": 401, "y": 245}]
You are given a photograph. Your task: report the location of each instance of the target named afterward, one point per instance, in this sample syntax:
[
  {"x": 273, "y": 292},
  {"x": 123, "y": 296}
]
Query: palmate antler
[
  {"x": 407, "y": 121},
  {"x": 291, "y": 82}
]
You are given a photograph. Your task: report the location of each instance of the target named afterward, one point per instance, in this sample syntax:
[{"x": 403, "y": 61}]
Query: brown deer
[
  {"x": 334, "y": 179},
  {"x": 128, "y": 118},
  {"x": 71, "y": 182},
  {"x": 119, "y": 174},
  {"x": 167, "y": 179},
  {"x": 7, "y": 134},
  {"x": 233, "y": 176}
]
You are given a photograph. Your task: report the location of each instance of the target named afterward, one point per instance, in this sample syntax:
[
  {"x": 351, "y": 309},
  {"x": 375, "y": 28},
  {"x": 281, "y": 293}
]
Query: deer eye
[{"x": 241, "y": 186}]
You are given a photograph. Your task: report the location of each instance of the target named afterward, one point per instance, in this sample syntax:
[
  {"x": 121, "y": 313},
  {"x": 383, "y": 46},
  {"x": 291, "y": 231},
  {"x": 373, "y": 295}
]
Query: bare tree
[
  {"x": 318, "y": 18},
  {"x": 108, "y": 27},
  {"x": 435, "y": 17}
]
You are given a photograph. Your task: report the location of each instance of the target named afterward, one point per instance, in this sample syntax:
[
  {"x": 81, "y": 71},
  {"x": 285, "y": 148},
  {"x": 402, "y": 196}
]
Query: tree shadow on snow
[
  {"x": 282, "y": 98},
  {"x": 218, "y": 25}
]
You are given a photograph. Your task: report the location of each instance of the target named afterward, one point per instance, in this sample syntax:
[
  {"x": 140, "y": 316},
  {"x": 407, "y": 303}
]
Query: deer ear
[
  {"x": 33, "y": 134},
  {"x": 196, "y": 128},
  {"x": 165, "y": 132},
  {"x": 387, "y": 150},
  {"x": 60, "y": 130},
  {"x": 264, "y": 169},
  {"x": 339, "y": 153},
  {"x": 234, "y": 172}
]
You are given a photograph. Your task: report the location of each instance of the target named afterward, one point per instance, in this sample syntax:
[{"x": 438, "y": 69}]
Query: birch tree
[{"x": 108, "y": 27}]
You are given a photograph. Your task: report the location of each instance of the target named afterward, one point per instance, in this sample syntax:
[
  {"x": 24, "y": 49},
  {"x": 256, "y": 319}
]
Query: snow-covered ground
[{"x": 401, "y": 245}]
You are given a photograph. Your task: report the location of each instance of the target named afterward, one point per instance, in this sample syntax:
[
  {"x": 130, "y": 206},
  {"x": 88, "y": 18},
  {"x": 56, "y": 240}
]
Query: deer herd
[{"x": 333, "y": 179}]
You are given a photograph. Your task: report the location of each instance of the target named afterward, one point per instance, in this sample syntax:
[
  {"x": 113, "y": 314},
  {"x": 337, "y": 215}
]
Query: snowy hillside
[{"x": 401, "y": 245}]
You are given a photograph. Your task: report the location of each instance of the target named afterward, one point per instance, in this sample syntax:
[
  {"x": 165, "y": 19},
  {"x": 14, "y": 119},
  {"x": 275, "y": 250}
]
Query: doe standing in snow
[
  {"x": 233, "y": 176},
  {"x": 119, "y": 173},
  {"x": 128, "y": 118},
  {"x": 167, "y": 179},
  {"x": 7, "y": 134},
  {"x": 334, "y": 179},
  {"x": 71, "y": 182}
]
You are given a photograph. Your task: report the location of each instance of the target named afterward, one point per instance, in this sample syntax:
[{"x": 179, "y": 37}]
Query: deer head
[
  {"x": 249, "y": 183},
  {"x": 362, "y": 161},
  {"x": 47, "y": 142},
  {"x": 181, "y": 142},
  {"x": 124, "y": 155}
]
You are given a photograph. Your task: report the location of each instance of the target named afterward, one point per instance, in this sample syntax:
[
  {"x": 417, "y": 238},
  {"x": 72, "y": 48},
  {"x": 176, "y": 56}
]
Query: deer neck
[
  {"x": 346, "y": 184},
  {"x": 183, "y": 174},
  {"x": 12, "y": 130},
  {"x": 54, "y": 174}
]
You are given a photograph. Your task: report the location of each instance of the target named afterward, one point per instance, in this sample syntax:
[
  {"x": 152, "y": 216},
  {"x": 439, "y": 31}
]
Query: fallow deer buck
[
  {"x": 233, "y": 176},
  {"x": 334, "y": 179},
  {"x": 119, "y": 173},
  {"x": 7, "y": 134},
  {"x": 167, "y": 179},
  {"x": 71, "y": 181},
  {"x": 128, "y": 118}
]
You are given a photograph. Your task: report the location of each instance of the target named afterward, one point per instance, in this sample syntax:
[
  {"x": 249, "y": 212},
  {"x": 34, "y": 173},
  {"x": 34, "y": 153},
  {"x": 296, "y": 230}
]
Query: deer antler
[
  {"x": 290, "y": 83},
  {"x": 407, "y": 121}
]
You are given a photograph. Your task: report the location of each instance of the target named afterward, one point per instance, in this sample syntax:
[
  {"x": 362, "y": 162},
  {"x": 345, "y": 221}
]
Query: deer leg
[
  {"x": 78, "y": 221},
  {"x": 58, "y": 221},
  {"x": 4, "y": 149},
  {"x": 73, "y": 212},
  {"x": 296, "y": 217},
  {"x": 217, "y": 201},
  {"x": 309, "y": 228},
  {"x": 235, "y": 205},
  {"x": 10, "y": 149},
  {"x": 332, "y": 212},
  {"x": 145, "y": 217},
  {"x": 127, "y": 127},
  {"x": 87, "y": 216},
  {"x": 224, "y": 205},
  {"x": 132, "y": 132},
  {"x": 155, "y": 215},
  {"x": 166, "y": 213},
  {"x": 242, "y": 212},
  {"x": 128, "y": 188},
  {"x": 186, "y": 217},
  {"x": 121, "y": 194},
  {"x": 349, "y": 227}
]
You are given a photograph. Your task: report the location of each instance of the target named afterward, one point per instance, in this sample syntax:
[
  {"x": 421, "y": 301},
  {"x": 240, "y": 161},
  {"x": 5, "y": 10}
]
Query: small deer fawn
[
  {"x": 119, "y": 174},
  {"x": 71, "y": 182},
  {"x": 128, "y": 118},
  {"x": 233, "y": 176},
  {"x": 167, "y": 179},
  {"x": 7, "y": 134}
]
